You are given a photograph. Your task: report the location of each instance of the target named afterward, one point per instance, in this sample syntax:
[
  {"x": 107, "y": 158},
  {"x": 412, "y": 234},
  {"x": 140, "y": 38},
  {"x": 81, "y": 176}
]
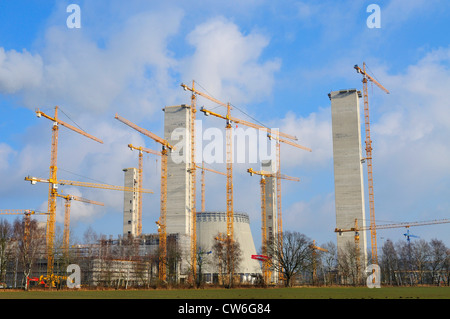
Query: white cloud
[
  {"x": 314, "y": 132},
  {"x": 410, "y": 140},
  {"x": 135, "y": 74},
  {"x": 19, "y": 71},
  {"x": 227, "y": 62}
]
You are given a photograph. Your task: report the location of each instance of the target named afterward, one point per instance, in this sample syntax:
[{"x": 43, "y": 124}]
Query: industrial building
[{"x": 348, "y": 167}]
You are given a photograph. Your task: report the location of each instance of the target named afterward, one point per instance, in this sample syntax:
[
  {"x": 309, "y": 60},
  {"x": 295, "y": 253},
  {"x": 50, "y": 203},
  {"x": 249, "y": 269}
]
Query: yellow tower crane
[
  {"x": 55, "y": 184},
  {"x": 357, "y": 229},
  {"x": 68, "y": 199},
  {"x": 162, "y": 219},
  {"x": 203, "y": 168},
  {"x": 52, "y": 194},
  {"x": 272, "y": 134},
  {"x": 26, "y": 218},
  {"x": 34, "y": 180},
  {"x": 314, "y": 261},
  {"x": 279, "y": 136},
  {"x": 266, "y": 270},
  {"x": 368, "y": 158},
  {"x": 193, "y": 167},
  {"x": 140, "y": 184}
]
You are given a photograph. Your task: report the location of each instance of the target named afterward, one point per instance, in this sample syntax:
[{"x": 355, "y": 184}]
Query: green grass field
[{"x": 242, "y": 293}]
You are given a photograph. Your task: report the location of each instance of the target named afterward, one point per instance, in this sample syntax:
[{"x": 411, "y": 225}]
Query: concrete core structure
[
  {"x": 348, "y": 168},
  {"x": 178, "y": 217},
  {"x": 271, "y": 205},
  {"x": 271, "y": 199},
  {"x": 130, "y": 203}
]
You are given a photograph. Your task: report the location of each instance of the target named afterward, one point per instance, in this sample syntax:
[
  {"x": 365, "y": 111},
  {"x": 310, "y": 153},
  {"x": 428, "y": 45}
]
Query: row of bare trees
[
  {"x": 22, "y": 247},
  {"x": 402, "y": 263}
]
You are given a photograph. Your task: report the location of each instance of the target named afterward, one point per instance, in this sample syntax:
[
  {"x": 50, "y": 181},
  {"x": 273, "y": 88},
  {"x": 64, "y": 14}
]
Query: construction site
[{"x": 194, "y": 247}]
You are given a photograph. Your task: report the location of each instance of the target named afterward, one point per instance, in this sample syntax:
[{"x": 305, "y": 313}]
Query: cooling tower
[{"x": 210, "y": 224}]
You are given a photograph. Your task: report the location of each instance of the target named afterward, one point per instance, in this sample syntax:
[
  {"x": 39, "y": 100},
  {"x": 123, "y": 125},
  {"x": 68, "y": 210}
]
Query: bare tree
[
  {"x": 329, "y": 260},
  {"x": 5, "y": 237},
  {"x": 421, "y": 258},
  {"x": 349, "y": 264},
  {"x": 291, "y": 256},
  {"x": 437, "y": 260},
  {"x": 389, "y": 263},
  {"x": 30, "y": 241}
]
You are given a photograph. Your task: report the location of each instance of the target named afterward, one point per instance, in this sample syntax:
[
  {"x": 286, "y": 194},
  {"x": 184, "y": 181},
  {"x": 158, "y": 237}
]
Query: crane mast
[
  {"x": 203, "y": 168},
  {"x": 368, "y": 158},
  {"x": 193, "y": 185},
  {"x": 68, "y": 199}
]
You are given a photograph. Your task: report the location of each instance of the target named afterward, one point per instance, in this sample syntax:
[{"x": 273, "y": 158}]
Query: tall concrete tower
[
  {"x": 178, "y": 216},
  {"x": 271, "y": 199},
  {"x": 130, "y": 203},
  {"x": 348, "y": 170},
  {"x": 271, "y": 204}
]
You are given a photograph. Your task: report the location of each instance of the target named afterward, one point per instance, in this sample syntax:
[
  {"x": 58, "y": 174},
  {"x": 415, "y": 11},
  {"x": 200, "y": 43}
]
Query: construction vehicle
[
  {"x": 368, "y": 158},
  {"x": 47, "y": 281}
]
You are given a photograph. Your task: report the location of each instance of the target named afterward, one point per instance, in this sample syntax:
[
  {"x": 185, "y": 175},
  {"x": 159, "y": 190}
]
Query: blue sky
[{"x": 276, "y": 61}]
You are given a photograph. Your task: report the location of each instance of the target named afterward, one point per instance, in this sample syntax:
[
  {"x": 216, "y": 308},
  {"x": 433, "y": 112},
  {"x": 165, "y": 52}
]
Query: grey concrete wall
[
  {"x": 130, "y": 203},
  {"x": 271, "y": 199},
  {"x": 178, "y": 216},
  {"x": 176, "y": 132},
  {"x": 348, "y": 169}
]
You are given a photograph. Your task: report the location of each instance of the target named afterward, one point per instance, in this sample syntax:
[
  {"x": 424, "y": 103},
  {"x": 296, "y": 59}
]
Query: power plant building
[{"x": 348, "y": 167}]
